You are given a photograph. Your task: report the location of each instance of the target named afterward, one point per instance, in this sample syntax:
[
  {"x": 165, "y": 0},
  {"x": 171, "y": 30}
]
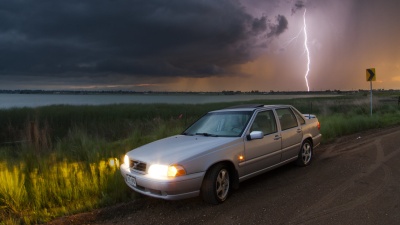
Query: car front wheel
[
  {"x": 305, "y": 154},
  {"x": 216, "y": 184}
]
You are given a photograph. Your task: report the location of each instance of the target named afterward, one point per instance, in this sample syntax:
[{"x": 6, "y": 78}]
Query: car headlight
[{"x": 157, "y": 170}]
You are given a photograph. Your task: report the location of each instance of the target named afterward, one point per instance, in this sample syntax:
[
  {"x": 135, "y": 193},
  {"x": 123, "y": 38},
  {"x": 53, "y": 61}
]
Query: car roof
[{"x": 251, "y": 107}]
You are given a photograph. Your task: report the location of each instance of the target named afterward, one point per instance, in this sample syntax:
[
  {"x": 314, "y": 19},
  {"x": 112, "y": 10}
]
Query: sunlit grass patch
[{"x": 58, "y": 188}]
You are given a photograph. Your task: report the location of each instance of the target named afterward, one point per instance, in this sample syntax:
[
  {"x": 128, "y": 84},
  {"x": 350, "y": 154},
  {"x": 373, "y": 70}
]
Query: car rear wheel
[
  {"x": 305, "y": 154},
  {"x": 216, "y": 184}
]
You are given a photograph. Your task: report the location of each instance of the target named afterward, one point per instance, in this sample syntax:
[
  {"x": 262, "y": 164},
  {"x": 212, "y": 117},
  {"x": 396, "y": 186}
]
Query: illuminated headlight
[
  {"x": 126, "y": 160},
  {"x": 156, "y": 170}
]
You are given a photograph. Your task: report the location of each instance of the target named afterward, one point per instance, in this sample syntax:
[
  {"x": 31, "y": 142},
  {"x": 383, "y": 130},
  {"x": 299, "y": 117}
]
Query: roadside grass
[{"x": 61, "y": 160}]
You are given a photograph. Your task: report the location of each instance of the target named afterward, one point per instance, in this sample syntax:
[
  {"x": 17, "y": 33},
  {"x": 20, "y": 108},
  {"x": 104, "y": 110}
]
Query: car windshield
[{"x": 221, "y": 124}]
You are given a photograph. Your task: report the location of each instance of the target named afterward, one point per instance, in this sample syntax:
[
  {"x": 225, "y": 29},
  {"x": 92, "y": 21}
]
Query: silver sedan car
[{"x": 221, "y": 149}]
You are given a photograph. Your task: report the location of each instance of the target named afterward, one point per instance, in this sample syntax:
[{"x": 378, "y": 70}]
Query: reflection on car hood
[{"x": 177, "y": 148}]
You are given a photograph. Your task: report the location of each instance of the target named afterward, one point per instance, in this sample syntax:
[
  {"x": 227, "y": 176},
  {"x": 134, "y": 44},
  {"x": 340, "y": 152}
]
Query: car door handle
[
  {"x": 298, "y": 130},
  {"x": 277, "y": 137}
]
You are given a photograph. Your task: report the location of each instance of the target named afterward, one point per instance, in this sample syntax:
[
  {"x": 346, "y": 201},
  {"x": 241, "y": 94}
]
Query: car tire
[
  {"x": 305, "y": 154},
  {"x": 216, "y": 184}
]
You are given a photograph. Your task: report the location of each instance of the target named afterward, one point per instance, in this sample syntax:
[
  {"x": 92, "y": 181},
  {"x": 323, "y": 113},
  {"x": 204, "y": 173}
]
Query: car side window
[
  {"x": 299, "y": 117},
  {"x": 265, "y": 122},
  {"x": 286, "y": 118}
]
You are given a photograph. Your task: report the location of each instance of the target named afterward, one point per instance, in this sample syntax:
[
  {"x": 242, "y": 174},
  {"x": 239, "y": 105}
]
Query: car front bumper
[{"x": 169, "y": 188}]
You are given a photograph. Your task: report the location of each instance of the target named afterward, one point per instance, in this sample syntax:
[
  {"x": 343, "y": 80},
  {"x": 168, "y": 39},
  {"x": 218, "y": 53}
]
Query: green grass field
[{"x": 61, "y": 160}]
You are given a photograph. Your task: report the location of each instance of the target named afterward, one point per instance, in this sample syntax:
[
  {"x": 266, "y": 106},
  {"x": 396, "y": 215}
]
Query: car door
[
  {"x": 265, "y": 152},
  {"x": 291, "y": 133}
]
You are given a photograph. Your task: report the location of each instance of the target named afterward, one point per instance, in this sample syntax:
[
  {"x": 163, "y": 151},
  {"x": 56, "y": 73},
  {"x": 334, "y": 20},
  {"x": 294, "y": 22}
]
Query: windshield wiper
[{"x": 207, "y": 134}]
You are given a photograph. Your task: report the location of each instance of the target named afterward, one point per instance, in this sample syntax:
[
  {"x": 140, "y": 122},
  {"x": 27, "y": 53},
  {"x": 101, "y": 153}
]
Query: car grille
[{"x": 137, "y": 165}]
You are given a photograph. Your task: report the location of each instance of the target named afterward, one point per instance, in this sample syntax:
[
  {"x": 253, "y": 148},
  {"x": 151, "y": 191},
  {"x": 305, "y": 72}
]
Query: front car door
[{"x": 262, "y": 153}]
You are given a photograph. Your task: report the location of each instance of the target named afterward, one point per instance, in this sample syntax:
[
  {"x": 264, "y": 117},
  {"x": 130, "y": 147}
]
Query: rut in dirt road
[{"x": 323, "y": 207}]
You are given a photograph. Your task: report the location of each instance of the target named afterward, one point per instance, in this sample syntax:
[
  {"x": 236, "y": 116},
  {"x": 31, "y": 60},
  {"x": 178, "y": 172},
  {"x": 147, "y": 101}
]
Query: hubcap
[
  {"x": 222, "y": 184},
  {"x": 306, "y": 153}
]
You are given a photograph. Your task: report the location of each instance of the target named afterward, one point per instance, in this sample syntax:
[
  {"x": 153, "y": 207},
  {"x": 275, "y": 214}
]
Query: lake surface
[{"x": 36, "y": 100}]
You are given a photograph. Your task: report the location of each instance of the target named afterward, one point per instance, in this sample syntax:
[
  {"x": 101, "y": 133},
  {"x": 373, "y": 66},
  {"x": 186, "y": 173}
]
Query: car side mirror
[{"x": 255, "y": 135}]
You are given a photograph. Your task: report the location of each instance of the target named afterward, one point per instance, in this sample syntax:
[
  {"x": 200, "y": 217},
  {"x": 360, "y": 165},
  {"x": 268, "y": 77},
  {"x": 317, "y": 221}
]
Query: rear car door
[{"x": 291, "y": 133}]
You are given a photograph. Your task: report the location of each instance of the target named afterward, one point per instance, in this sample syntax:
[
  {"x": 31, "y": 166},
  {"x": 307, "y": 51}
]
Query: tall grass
[
  {"x": 59, "y": 160},
  {"x": 346, "y": 116},
  {"x": 37, "y": 186},
  {"x": 57, "y": 188},
  {"x": 49, "y": 175}
]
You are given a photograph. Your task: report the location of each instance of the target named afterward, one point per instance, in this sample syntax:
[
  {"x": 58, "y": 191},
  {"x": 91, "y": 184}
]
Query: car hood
[{"x": 177, "y": 148}]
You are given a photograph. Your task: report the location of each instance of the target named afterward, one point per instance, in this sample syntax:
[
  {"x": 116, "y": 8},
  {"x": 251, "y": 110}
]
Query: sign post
[{"x": 371, "y": 76}]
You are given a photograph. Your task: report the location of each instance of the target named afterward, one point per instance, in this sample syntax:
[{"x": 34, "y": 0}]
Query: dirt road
[{"x": 355, "y": 180}]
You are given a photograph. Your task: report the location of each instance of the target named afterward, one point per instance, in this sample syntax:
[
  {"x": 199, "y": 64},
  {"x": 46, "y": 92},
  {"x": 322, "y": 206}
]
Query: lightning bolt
[{"x": 307, "y": 50}]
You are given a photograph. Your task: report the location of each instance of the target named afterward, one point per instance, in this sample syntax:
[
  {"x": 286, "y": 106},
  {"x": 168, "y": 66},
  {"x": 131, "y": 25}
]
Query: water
[{"x": 36, "y": 100}]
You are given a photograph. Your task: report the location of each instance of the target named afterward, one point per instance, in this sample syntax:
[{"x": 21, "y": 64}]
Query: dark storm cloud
[
  {"x": 298, "y": 5},
  {"x": 279, "y": 27},
  {"x": 137, "y": 37}
]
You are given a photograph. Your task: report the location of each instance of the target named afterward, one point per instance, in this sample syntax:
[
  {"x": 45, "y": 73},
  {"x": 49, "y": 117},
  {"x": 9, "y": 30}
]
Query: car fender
[{"x": 201, "y": 163}]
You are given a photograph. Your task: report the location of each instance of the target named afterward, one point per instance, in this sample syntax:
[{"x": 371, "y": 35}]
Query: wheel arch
[
  {"x": 234, "y": 175},
  {"x": 310, "y": 140}
]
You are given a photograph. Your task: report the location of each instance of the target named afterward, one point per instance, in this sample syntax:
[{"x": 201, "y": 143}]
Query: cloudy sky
[{"x": 198, "y": 45}]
